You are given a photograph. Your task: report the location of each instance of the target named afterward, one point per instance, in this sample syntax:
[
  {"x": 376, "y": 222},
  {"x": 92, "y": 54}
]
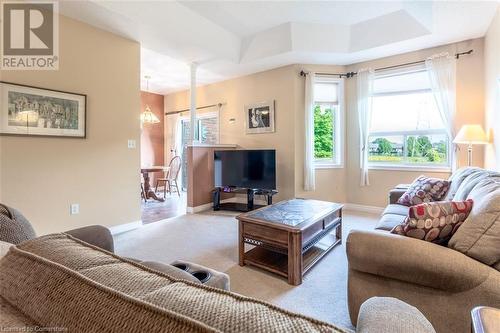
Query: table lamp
[{"x": 471, "y": 135}]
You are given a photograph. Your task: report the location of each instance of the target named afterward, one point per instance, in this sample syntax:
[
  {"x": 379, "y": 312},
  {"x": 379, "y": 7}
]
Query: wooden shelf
[
  {"x": 318, "y": 250},
  {"x": 267, "y": 259},
  {"x": 237, "y": 207},
  {"x": 278, "y": 262}
]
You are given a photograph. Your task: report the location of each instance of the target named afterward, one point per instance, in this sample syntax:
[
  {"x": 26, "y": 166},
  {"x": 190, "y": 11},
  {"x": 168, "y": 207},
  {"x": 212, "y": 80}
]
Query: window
[
  {"x": 207, "y": 131},
  {"x": 406, "y": 128},
  {"x": 328, "y": 93}
]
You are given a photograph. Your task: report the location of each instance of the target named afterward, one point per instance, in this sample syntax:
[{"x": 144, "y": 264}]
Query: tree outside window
[
  {"x": 323, "y": 133},
  {"x": 406, "y": 127},
  {"x": 328, "y": 97}
]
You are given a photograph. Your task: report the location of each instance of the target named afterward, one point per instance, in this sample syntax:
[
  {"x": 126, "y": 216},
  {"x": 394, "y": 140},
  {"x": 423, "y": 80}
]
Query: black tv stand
[{"x": 240, "y": 207}]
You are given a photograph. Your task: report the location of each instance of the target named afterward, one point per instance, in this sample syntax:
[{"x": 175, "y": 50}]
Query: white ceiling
[{"x": 234, "y": 38}]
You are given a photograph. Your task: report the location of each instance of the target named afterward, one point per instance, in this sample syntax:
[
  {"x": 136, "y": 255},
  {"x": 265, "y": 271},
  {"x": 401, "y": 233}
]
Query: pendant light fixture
[{"x": 148, "y": 117}]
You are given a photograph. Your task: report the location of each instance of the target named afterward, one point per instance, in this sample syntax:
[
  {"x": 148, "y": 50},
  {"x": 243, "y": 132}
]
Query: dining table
[{"x": 148, "y": 191}]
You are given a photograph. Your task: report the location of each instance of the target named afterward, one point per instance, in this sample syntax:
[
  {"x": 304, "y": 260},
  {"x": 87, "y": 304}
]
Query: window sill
[
  {"x": 442, "y": 169},
  {"x": 328, "y": 166}
]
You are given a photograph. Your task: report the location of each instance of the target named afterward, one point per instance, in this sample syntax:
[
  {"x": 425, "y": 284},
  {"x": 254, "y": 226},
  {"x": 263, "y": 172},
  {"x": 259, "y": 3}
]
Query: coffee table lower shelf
[{"x": 278, "y": 262}]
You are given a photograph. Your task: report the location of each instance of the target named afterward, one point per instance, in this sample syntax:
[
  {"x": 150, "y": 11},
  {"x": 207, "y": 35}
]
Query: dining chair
[{"x": 170, "y": 179}]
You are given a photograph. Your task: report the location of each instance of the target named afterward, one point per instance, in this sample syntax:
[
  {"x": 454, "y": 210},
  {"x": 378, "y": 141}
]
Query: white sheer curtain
[
  {"x": 442, "y": 76},
  {"x": 364, "y": 89},
  {"x": 173, "y": 137},
  {"x": 309, "y": 176}
]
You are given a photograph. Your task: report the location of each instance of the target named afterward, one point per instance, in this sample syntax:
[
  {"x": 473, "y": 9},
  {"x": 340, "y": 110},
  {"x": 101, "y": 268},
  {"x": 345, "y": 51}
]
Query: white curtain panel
[
  {"x": 174, "y": 136},
  {"x": 442, "y": 70},
  {"x": 309, "y": 176},
  {"x": 364, "y": 93}
]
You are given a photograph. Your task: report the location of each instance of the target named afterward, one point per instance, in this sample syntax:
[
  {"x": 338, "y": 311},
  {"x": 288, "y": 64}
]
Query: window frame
[
  {"x": 199, "y": 116},
  {"x": 405, "y": 166},
  {"x": 338, "y": 126}
]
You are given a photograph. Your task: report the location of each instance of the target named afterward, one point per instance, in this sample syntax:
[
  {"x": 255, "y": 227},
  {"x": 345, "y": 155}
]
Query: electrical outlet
[
  {"x": 74, "y": 209},
  {"x": 131, "y": 144}
]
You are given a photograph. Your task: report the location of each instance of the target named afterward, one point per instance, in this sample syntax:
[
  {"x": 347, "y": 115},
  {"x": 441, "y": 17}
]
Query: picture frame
[
  {"x": 35, "y": 111},
  {"x": 259, "y": 117}
]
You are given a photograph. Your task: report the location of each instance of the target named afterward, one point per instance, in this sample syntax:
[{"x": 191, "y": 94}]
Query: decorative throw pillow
[
  {"x": 14, "y": 227},
  {"x": 424, "y": 189},
  {"x": 434, "y": 221}
]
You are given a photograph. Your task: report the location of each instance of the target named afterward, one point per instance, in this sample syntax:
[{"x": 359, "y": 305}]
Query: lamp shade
[
  {"x": 148, "y": 117},
  {"x": 471, "y": 134}
]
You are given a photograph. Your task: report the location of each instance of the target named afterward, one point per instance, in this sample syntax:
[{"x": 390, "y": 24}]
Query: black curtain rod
[
  {"x": 351, "y": 74},
  {"x": 198, "y": 108}
]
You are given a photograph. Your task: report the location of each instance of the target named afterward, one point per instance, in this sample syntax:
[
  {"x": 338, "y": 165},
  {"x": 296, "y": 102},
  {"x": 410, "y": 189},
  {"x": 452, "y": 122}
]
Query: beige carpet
[{"x": 211, "y": 239}]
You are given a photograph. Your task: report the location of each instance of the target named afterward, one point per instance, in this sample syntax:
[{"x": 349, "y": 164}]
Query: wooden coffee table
[{"x": 289, "y": 237}]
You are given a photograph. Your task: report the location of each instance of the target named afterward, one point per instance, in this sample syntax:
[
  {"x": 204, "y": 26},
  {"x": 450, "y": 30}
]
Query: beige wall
[
  {"x": 43, "y": 176},
  {"x": 277, "y": 84},
  {"x": 492, "y": 91},
  {"x": 287, "y": 87},
  {"x": 470, "y": 106}
]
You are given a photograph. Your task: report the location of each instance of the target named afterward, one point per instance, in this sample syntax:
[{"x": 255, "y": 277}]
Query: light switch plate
[
  {"x": 131, "y": 144},
  {"x": 74, "y": 209}
]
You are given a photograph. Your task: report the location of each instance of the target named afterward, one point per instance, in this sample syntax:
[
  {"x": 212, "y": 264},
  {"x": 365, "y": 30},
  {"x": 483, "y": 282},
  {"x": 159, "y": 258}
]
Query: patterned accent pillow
[
  {"x": 424, "y": 189},
  {"x": 435, "y": 221}
]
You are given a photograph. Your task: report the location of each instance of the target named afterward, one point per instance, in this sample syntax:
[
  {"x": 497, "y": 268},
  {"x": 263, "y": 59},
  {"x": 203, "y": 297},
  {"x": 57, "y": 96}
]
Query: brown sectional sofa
[
  {"x": 74, "y": 282},
  {"x": 62, "y": 278},
  {"x": 443, "y": 283}
]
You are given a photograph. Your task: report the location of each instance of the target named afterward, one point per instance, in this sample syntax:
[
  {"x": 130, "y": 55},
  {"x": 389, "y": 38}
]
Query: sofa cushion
[
  {"x": 479, "y": 236},
  {"x": 396, "y": 209},
  {"x": 389, "y": 221},
  {"x": 13, "y": 320},
  {"x": 468, "y": 184},
  {"x": 73, "y": 284},
  {"x": 497, "y": 265},
  {"x": 457, "y": 178},
  {"x": 464, "y": 180},
  {"x": 14, "y": 227},
  {"x": 424, "y": 189},
  {"x": 434, "y": 221}
]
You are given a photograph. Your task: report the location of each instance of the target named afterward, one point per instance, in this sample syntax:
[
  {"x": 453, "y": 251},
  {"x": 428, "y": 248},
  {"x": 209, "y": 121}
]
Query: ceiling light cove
[{"x": 234, "y": 38}]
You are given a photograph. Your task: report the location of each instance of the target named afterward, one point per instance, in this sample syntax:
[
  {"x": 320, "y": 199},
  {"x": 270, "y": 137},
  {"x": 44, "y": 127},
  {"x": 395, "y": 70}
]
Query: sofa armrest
[
  {"x": 395, "y": 194},
  {"x": 96, "y": 235},
  {"x": 414, "y": 261},
  {"x": 387, "y": 314}
]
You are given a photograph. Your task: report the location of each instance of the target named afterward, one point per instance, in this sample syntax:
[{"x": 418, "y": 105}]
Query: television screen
[{"x": 254, "y": 169}]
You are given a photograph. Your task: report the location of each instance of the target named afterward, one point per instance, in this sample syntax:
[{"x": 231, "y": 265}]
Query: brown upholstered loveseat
[{"x": 442, "y": 282}]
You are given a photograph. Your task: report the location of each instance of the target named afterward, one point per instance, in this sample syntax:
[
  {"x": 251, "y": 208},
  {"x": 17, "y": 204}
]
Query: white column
[{"x": 192, "y": 109}]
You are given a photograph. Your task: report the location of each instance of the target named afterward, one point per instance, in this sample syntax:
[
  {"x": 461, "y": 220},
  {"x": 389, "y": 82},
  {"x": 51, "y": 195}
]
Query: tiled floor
[{"x": 153, "y": 211}]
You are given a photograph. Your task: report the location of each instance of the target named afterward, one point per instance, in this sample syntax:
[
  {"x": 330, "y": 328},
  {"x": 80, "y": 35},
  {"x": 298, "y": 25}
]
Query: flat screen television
[{"x": 254, "y": 169}]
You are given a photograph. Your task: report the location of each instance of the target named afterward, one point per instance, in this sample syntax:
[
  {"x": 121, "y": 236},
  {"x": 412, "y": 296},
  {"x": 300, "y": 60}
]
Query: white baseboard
[
  {"x": 364, "y": 208},
  {"x": 121, "y": 228},
  {"x": 197, "y": 209}
]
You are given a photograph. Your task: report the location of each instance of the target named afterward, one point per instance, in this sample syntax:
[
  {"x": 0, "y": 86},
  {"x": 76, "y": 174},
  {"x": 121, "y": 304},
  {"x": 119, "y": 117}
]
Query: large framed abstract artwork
[{"x": 26, "y": 110}]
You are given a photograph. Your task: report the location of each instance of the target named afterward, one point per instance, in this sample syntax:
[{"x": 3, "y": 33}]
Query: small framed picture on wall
[{"x": 259, "y": 117}]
